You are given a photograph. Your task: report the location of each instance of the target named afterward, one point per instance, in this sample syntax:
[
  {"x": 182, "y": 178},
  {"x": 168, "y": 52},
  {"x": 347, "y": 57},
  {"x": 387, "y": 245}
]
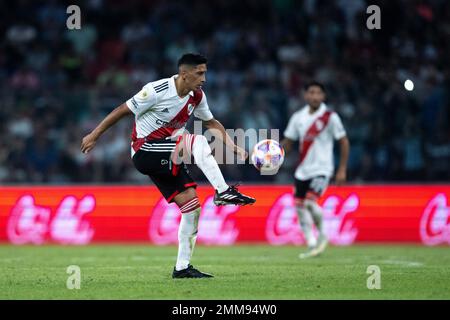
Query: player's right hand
[
  {"x": 88, "y": 143},
  {"x": 242, "y": 154},
  {"x": 341, "y": 177}
]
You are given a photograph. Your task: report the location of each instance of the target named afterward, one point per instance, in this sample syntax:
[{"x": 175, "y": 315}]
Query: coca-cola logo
[
  {"x": 338, "y": 224},
  {"x": 217, "y": 225},
  {"x": 282, "y": 225},
  {"x": 27, "y": 222},
  {"x": 32, "y": 223},
  {"x": 282, "y": 222},
  {"x": 435, "y": 221},
  {"x": 163, "y": 223}
]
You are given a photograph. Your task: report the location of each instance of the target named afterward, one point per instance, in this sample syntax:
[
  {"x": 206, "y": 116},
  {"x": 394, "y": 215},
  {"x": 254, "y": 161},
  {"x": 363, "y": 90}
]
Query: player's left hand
[
  {"x": 241, "y": 153},
  {"x": 341, "y": 177}
]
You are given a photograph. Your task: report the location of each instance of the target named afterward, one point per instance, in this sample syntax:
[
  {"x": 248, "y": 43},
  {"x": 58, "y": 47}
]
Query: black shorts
[
  {"x": 316, "y": 186},
  {"x": 154, "y": 160}
]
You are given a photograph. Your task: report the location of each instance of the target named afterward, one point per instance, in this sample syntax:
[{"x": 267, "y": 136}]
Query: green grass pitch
[{"x": 241, "y": 272}]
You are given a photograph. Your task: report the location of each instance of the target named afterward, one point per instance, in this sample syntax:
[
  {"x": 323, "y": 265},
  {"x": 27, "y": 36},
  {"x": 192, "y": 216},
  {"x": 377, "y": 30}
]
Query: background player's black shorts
[
  {"x": 154, "y": 160},
  {"x": 316, "y": 185}
]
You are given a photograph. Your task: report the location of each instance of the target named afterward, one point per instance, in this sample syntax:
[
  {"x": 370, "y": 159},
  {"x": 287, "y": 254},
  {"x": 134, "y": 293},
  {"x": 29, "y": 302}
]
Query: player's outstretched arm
[
  {"x": 89, "y": 140},
  {"x": 341, "y": 173},
  {"x": 218, "y": 130}
]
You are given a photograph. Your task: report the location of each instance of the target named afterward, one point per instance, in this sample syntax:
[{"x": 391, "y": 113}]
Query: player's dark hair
[
  {"x": 314, "y": 84},
  {"x": 192, "y": 59}
]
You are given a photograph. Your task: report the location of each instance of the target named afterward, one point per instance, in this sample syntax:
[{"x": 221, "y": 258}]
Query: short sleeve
[
  {"x": 202, "y": 110},
  {"x": 291, "y": 131},
  {"x": 142, "y": 101},
  {"x": 337, "y": 128}
]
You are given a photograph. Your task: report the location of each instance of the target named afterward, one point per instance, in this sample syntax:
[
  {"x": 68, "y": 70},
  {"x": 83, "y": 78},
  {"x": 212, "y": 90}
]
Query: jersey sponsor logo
[
  {"x": 172, "y": 124},
  {"x": 190, "y": 108},
  {"x": 165, "y": 110}
]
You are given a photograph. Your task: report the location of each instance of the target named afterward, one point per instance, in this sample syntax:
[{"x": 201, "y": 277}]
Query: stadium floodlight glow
[{"x": 409, "y": 85}]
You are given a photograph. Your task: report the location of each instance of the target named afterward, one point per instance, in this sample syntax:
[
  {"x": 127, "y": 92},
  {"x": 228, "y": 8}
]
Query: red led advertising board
[{"x": 353, "y": 214}]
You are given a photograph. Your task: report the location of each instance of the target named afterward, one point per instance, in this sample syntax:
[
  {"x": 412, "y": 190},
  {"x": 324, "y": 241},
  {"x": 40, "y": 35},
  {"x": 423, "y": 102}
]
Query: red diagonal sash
[
  {"x": 316, "y": 128},
  {"x": 176, "y": 123}
]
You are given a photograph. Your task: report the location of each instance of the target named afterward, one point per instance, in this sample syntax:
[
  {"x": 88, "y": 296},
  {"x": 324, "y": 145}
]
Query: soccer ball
[{"x": 267, "y": 155}]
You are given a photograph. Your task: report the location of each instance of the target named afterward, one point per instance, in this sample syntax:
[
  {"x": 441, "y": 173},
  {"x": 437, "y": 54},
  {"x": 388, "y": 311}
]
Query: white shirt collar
[{"x": 173, "y": 88}]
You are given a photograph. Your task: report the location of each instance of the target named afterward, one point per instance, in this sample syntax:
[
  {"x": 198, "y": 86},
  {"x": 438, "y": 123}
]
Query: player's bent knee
[
  {"x": 187, "y": 200},
  {"x": 299, "y": 202},
  {"x": 185, "y": 195},
  {"x": 188, "y": 142},
  {"x": 201, "y": 139},
  {"x": 201, "y": 143},
  {"x": 309, "y": 203},
  {"x": 201, "y": 150},
  {"x": 312, "y": 197}
]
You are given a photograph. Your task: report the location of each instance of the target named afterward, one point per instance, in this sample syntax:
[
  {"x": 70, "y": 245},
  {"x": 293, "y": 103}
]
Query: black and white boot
[
  {"x": 190, "y": 272},
  {"x": 232, "y": 196}
]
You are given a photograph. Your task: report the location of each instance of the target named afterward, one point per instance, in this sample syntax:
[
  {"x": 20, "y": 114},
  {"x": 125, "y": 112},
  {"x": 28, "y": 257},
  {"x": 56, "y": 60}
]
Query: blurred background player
[
  {"x": 160, "y": 145},
  {"x": 315, "y": 127}
]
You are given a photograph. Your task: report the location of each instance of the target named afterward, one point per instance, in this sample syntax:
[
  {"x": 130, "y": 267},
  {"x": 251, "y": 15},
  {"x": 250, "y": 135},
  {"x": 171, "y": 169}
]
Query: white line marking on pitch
[{"x": 404, "y": 263}]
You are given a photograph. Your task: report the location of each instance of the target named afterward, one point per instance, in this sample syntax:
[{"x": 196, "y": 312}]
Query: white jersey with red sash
[
  {"x": 316, "y": 133},
  {"x": 160, "y": 113}
]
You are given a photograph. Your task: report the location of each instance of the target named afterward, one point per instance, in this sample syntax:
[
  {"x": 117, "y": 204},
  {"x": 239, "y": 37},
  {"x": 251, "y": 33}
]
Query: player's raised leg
[
  {"x": 198, "y": 147},
  {"x": 190, "y": 209}
]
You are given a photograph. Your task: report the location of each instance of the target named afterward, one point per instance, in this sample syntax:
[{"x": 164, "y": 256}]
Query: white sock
[
  {"x": 206, "y": 162},
  {"x": 306, "y": 225},
  {"x": 316, "y": 214},
  {"x": 187, "y": 235}
]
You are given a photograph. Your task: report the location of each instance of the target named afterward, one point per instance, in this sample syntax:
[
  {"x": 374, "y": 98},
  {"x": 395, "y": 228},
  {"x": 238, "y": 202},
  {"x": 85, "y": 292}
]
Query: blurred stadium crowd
[{"x": 57, "y": 84}]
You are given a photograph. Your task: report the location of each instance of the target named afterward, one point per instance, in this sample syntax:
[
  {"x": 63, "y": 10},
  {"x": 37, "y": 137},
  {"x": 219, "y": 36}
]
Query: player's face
[
  {"x": 314, "y": 96},
  {"x": 196, "y": 76}
]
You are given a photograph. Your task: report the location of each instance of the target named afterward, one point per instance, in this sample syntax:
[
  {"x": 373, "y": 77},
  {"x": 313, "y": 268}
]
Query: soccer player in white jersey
[
  {"x": 160, "y": 147},
  {"x": 315, "y": 127}
]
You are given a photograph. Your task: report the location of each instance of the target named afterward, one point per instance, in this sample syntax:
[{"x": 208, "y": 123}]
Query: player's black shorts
[
  {"x": 154, "y": 160},
  {"x": 316, "y": 186}
]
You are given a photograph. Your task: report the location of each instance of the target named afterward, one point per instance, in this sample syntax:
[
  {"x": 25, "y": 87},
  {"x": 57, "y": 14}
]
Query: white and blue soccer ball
[{"x": 267, "y": 155}]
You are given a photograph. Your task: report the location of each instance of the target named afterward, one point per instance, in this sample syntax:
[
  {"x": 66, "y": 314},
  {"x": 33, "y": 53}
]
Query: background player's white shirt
[
  {"x": 319, "y": 159},
  {"x": 158, "y": 103}
]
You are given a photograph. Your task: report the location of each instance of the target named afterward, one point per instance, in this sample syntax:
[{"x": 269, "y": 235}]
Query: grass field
[{"x": 242, "y": 272}]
